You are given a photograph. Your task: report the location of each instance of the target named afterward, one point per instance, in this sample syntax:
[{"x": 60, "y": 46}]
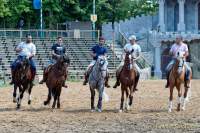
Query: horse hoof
[
  {"x": 120, "y": 111},
  {"x": 45, "y": 102},
  {"x": 18, "y": 106},
  {"x": 58, "y": 106},
  {"x": 14, "y": 100},
  {"x": 29, "y": 102},
  {"x": 99, "y": 110},
  {"x": 183, "y": 108},
  {"x": 92, "y": 110},
  {"x": 169, "y": 110}
]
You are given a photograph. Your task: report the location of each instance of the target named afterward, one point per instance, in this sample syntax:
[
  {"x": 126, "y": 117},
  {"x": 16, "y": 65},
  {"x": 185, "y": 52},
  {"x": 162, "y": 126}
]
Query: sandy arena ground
[{"x": 148, "y": 114}]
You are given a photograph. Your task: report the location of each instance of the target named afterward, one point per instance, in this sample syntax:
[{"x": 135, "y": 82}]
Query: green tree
[{"x": 4, "y": 11}]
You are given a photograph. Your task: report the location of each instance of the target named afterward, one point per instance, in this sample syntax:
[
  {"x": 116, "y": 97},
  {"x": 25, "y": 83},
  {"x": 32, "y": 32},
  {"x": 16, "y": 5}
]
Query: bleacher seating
[{"x": 77, "y": 49}]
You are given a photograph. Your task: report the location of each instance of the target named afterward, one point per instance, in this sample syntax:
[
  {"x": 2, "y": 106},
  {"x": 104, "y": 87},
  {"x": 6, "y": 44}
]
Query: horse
[
  {"x": 55, "y": 79},
  {"x": 127, "y": 79},
  {"x": 176, "y": 78},
  {"x": 22, "y": 80},
  {"x": 96, "y": 81}
]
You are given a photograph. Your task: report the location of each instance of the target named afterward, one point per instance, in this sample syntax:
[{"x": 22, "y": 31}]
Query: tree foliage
[{"x": 60, "y": 11}]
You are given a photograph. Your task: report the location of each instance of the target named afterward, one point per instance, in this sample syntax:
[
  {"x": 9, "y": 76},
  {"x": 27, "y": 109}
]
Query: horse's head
[
  {"x": 128, "y": 59},
  {"x": 179, "y": 61},
  {"x": 102, "y": 65},
  {"x": 64, "y": 59},
  {"x": 22, "y": 66}
]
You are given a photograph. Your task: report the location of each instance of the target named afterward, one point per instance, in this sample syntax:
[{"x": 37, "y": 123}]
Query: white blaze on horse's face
[
  {"x": 180, "y": 54},
  {"x": 102, "y": 65}
]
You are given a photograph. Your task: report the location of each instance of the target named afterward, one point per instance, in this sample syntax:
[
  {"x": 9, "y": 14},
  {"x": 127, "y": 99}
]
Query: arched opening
[{"x": 165, "y": 59}]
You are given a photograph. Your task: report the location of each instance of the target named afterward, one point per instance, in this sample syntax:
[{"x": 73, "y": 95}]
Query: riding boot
[
  {"x": 12, "y": 77},
  {"x": 167, "y": 77},
  {"x": 136, "y": 81},
  {"x": 86, "y": 76},
  {"x": 33, "y": 77},
  {"x": 64, "y": 85},
  {"x": 106, "y": 80},
  {"x": 187, "y": 84},
  {"x": 45, "y": 73},
  {"x": 117, "y": 82}
]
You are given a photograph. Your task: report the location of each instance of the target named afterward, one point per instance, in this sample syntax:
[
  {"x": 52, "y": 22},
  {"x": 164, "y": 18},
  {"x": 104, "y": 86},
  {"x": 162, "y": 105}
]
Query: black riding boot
[
  {"x": 167, "y": 77},
  {"x": 12, "y": 77},
  {"x": 117, "y": 83},
  {"x": 106, "y": 81},
  {"x": 136, "y": 81},
  {"x": 86, "y": 76},
  {"x": 45, "y": 73}
]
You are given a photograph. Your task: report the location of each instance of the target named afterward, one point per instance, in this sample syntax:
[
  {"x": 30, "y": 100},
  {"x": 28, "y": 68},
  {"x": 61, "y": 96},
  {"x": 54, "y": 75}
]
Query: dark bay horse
[
  {"x": 96, "y": 81},
  {"x": 56, "y": 77},
  {"x": 177, "y": 79},
  {"x": 22, "y": 80},
  {"x": 127, "y": 79}
]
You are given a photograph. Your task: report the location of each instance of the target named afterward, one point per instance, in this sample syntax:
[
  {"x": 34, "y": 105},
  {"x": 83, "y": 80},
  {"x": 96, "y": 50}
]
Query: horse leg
[
  {"x": 29, "y": 93},
  {"x": 55, "y": 94},
  {"x": 14, "y": 93},
  {"x": 48, "y": 97},
  {"x": 21, "y": 94},
  {"x": 185, "y": 98},
  {"x": 99, "y": 105},
  {"x": 92, "y": 91},
  {"x": 122, "y": 98},
  {"x": 170, "y": 99},
  {"x": 179, "y": 97},
  {"x": 58, "y": 98},
  {"x": 127, "y": 99},
  {"x": 131, "y": 97}
]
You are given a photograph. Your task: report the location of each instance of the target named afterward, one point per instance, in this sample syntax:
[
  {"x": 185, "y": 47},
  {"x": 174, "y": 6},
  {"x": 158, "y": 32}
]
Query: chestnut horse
[
  {"x": 22, "y": 80},
  {"x": 176, "y": 79},
  {"x": 56, "y": 77},
  {"x": 127, "y": 79}
]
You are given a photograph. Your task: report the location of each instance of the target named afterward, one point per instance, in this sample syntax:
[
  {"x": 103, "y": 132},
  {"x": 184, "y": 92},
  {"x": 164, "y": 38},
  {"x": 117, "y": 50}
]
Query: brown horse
[
  {"x": 22, "y": 80},
  {"x": 127, "y": 79},
  {"x": 176, "y": 79},
  {"x": 56, "y": 77}
]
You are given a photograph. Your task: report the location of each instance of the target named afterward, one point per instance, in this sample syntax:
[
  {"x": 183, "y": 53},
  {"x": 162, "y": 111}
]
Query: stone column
[
  {"x": 162, "y": 15},
  {"x": 181, "y": 24},
  {"x": 157, "y": 55}
]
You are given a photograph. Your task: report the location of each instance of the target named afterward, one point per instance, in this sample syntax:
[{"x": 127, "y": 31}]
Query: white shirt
[
  {"x": 178, "y": 48},
  {"x": 129, "y": 47},
  {"x": 27, "y": 49}
]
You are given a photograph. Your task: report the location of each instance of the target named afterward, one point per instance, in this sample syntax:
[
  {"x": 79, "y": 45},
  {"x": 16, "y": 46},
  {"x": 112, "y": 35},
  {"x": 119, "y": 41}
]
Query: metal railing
[
  {"x": 142, "y": 62},
  {"x": 50, "y": 33}
]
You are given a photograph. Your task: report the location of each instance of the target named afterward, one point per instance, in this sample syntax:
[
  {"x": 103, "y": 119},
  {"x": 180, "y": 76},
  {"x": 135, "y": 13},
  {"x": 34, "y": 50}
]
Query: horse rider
[
  {"x": 25, "y": 49},
  {"x": 131, "y": 47},
  {"x": 57, "y": 50},
  {"x": 182, "y": 47},
  {"x": 97, "y": 50}
]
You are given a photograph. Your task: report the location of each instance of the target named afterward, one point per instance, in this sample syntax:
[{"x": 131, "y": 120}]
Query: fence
[{"x": 50, "y": 33}]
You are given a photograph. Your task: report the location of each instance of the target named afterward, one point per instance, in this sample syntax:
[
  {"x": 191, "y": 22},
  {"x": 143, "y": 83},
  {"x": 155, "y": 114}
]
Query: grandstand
[{"x": 77, "y": 48}]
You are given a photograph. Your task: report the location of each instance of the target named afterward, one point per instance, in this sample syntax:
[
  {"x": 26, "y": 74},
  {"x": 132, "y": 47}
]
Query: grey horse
[{"x": 96, "y": 81}]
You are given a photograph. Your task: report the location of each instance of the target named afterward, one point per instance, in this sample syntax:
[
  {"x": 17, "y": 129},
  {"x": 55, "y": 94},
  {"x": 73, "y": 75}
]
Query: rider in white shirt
[
  {"x": 135, "y": 51},
  {"x": 25, "y": 50}
]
